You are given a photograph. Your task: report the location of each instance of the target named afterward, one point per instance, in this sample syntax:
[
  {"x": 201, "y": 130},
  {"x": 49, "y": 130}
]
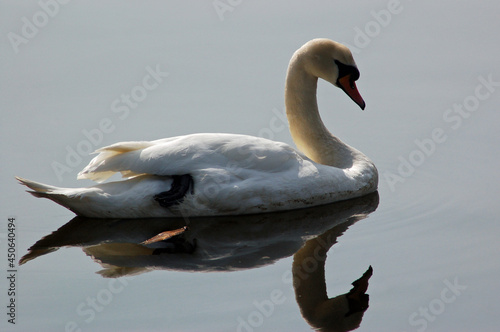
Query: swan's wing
[
  {"x": 191, "y": 153},
  {"x": 98, "y": 169}
]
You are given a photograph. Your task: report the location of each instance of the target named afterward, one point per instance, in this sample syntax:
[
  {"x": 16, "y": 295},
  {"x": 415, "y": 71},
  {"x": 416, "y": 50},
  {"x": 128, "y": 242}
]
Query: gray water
[{"x": 430, "y": 78}]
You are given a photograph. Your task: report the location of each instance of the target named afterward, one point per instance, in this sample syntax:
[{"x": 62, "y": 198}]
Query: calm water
[{"x": 431, "y": 81}]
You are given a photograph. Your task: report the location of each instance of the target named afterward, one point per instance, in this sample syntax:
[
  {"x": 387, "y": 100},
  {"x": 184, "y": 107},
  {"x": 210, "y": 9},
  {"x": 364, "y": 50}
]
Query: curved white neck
[{"x": 307, "y": 130}]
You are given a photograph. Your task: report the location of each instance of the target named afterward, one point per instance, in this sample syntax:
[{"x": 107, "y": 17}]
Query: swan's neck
[{"x": 307, "y": 130}]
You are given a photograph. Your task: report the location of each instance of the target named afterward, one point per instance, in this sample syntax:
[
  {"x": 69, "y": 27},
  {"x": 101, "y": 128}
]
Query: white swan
[{"x": 226, "y": 174}]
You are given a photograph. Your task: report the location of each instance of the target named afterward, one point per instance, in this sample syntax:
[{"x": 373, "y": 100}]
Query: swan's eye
[
  {"x": 351, "y": 72},
  {"x": 345, "y": 70},
  {"x": 354, "y": 74}
]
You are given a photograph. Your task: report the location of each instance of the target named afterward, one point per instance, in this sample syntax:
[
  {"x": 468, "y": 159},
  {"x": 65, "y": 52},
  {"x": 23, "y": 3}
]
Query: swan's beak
[{"x": 349, "y": 87}]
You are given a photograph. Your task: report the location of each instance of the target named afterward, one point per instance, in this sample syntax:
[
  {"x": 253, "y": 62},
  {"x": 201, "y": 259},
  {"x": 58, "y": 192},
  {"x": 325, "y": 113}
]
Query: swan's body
[{"x": 234, "y": 174}]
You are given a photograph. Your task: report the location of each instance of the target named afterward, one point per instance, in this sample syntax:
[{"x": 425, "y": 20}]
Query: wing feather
[{"x": 186, "y": 154}]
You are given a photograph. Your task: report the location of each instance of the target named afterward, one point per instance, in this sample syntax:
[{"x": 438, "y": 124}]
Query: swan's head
[{"x": 334, "y": 63}]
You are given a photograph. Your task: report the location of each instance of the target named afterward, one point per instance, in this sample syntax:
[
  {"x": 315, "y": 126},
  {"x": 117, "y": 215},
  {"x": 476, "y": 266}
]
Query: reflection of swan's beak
[
  {"x": 357, "y": 297},
  {"x": 349, "y": 87},
  {"x": 341, "y": 313}
]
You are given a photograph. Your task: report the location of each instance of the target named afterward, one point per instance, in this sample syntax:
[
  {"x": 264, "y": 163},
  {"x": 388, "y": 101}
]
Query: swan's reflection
[
  {"x": 341, "y": 313},
  {"x": 230, "y": 244}
]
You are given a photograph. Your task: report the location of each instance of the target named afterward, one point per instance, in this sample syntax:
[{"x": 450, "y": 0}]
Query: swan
[{"x": 215, "y": 174}]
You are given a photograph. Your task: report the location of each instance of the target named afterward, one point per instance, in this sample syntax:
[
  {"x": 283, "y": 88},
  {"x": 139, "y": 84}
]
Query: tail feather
[
  {"x": 56, "y": 194},
  {"x": 39, "y": 189}
]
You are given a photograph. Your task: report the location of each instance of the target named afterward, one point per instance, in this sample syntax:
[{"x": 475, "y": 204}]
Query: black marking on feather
[{"x": 181, "y": 184}]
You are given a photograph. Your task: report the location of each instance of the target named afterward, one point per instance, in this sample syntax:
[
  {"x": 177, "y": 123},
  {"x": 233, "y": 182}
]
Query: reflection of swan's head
[
  {"x": 331, "y": 61},
  {"x": 343, "y": 312},
  {"x": 340, "y": 313}
]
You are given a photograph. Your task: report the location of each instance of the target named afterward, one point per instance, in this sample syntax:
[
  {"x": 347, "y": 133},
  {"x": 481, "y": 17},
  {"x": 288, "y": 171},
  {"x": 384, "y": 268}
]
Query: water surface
[{"x": 430, "y": 79}]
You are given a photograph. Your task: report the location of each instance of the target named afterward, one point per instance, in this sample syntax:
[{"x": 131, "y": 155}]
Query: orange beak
[{"x": 349, "y": 87}]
